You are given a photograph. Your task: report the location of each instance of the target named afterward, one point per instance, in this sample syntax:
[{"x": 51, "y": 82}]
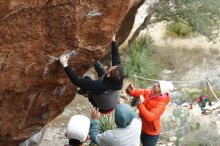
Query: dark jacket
[{"x": 102, "y": 84}]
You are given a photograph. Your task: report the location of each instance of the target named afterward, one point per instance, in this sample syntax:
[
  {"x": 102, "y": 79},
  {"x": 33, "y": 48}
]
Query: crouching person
[
  {"x": 78, "y": 130},
  {"x": 127, "y": 132},
  {"x": 202, "y": 101}
]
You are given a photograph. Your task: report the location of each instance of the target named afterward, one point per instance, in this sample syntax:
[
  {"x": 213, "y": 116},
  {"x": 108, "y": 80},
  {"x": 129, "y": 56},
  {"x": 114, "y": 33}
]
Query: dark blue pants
[{"x": 149, "y": 140}]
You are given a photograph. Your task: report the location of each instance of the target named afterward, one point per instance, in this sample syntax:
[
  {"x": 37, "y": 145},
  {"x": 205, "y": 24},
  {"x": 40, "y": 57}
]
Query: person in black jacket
[{"x": 103, "y": 92}]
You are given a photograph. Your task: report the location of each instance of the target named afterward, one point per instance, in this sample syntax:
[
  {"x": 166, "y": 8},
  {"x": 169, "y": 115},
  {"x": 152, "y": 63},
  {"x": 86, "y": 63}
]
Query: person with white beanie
[
  {"x": 151, "y": 105},
  {"x": 78, "y": 130},
  {"x": 165, "y": 87}
]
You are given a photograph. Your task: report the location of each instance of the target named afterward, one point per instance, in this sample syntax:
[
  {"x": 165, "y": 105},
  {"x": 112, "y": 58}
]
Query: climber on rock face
[{"x": 104, "y": 92}]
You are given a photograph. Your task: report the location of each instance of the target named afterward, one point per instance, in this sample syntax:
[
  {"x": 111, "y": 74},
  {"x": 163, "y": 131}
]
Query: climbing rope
[
  {"x": 209, "y": 87},
  {"x": 211, "y": 90},
  {"x": 174, "y": 81}
]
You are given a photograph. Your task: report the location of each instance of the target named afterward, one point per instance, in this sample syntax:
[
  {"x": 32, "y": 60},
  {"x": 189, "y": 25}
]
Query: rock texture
[{"x": 33, "y": 86}]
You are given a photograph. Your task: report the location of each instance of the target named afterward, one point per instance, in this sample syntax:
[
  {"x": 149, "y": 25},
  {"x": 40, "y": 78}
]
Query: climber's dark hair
[{"x": 117, "y": 74}]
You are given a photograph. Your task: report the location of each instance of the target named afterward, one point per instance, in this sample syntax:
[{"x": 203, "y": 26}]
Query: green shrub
[
  {"x": 191, "y": 94},
  {"x": 107, "y": 122},
  {"x": 178, "y": 29},
  {"x": 139, "y": 60}
]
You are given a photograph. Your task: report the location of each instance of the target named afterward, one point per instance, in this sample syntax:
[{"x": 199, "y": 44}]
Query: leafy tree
[{"x": 202, "y": 15}]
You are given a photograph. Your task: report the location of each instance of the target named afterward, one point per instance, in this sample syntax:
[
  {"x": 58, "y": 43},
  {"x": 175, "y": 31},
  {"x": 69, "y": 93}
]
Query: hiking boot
[{"x": 83, "y": 92}]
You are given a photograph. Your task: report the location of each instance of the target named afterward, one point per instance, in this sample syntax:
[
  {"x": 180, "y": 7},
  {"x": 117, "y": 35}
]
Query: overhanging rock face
[{"x": 33, "y": 85}]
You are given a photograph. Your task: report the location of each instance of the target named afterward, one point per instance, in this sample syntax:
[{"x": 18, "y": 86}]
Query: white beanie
[
  {"x": 78, "y": 128},
  {"x": 166, "y": 87}
]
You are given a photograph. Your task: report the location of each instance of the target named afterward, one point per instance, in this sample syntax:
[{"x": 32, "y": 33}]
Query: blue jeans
[{"x": 149, "y": 140}]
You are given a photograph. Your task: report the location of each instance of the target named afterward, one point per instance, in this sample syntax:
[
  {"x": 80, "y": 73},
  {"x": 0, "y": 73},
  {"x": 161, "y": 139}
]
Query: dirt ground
[{"x": 54, "y": 132}]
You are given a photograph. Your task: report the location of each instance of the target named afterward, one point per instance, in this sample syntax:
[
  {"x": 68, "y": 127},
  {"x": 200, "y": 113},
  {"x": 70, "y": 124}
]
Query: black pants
[{"x": 149, "y": 140}]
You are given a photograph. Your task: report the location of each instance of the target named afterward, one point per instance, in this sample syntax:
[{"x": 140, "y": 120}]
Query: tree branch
[{"x": 146, "y": 22}]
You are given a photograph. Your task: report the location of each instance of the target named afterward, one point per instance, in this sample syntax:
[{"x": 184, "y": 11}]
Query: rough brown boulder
[{"x": 33, "y": 85}]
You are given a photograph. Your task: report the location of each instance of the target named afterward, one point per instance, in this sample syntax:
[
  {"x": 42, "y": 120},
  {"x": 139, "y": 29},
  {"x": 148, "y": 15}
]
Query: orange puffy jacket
[{"x": 151, "y": 110}]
